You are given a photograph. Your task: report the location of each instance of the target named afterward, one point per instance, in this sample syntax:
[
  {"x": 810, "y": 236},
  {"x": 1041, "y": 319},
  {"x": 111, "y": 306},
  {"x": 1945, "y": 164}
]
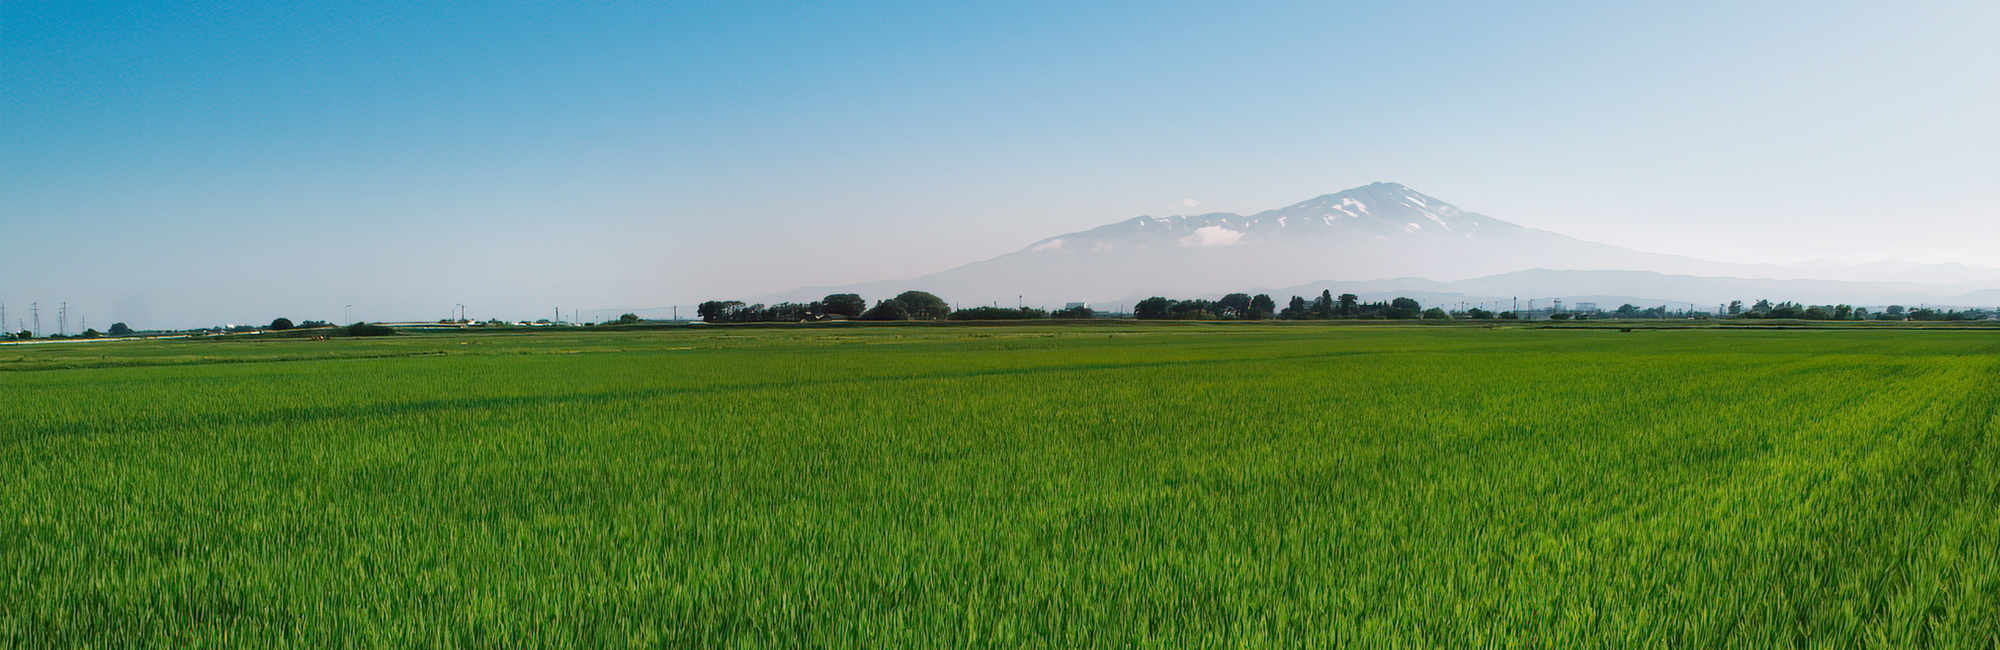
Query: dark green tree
[
  {"x": 923, "y": 306},
  {"x": 1294, "y": 309},
  {"x": 119, "y": 329},
  {"x": 1235, "y": 305},
  {"x": 1403, "y": 309},
  {"x": 628, "y": 319},
  {"x": 1350, "y": 305},
  {"x": 887, "y": 310},
  {"x": 1153, "y": 308},
  {"x": 1323, "y": 305},
  {"x": 281, "y": 324},
  {"x": 718, "y": 311},
  {"x": 1006, "y": 313},
  {"x": 784, "y": 312},
  {"x": 366, "y": 329},
  {"x": 844, "y": 304},
  {"x": 1194, "y": 310},
  {"x": 1263, "y": 306}
]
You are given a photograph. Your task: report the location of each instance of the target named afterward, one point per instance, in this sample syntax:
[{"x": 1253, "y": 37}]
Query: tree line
[
  {"x": 277, "y": 325},
  {"x": 919, "y": 305},
  {"x": 1242, "y": 306},
  {"x": 908, "y": 305},
  {"x": 117, "y": 329},
  {"x": 1792, "y": 310}
]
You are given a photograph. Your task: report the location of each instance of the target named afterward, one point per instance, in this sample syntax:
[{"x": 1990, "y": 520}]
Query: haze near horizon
[{"x": 182, "y": 167}]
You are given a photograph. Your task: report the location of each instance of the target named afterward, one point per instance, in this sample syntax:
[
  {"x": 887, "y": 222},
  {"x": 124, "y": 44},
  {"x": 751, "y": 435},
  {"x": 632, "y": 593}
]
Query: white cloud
[
  {"x": 1189, "y": 203},
  {"x": 1212, "y": 236}
]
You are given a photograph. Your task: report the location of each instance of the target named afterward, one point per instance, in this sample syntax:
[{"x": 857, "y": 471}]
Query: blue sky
[{"x": 189, "y": 165}]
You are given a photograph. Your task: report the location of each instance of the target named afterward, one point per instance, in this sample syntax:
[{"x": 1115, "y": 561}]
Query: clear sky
[{"x": 176, "y": 166}]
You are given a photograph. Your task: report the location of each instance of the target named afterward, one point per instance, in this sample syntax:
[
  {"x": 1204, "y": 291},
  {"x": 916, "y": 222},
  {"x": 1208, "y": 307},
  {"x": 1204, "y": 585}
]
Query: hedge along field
[{"x": 1052, "y": 486}]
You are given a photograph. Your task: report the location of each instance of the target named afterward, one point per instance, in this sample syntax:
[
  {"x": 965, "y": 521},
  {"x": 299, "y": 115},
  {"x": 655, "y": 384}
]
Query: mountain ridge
[{"x": 1377, "y": 232}]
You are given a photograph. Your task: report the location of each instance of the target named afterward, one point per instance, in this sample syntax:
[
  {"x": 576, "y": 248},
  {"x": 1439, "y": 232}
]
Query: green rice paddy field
[{"x": 1107, "y": 485}]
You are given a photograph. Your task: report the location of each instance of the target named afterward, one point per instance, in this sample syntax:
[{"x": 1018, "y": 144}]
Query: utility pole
[
  {"x": 62, "y": 320},
  {"x": 35, "y": 310},
  {"x": 347, "y": 315}
]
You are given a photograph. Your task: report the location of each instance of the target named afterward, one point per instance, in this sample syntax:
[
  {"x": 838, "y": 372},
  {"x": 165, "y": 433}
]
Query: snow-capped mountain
[
  {"x": 1379, "y": 231},
  {"x": 1379, "y": 212}
]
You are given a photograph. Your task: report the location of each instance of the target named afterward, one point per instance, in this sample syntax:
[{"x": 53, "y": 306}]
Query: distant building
[
  {"x": 1586, "y": 307},
  {"x": 1072, "y": 305}
]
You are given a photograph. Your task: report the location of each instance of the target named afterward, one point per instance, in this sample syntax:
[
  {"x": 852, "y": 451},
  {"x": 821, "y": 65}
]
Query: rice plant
[{"x": 1114, "y": 485}]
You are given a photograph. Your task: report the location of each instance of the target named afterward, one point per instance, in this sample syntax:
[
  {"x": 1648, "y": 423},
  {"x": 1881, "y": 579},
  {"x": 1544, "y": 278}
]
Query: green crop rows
[{"x": 1114, "y": 485}]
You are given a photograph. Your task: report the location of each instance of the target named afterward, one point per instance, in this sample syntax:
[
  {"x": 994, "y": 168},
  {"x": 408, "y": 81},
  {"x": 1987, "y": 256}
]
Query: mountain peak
[
  {"x": 1382, "y": 193},
  {"x": 1378, "y": 212},
  {"x": 1382, "y": 207}
]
